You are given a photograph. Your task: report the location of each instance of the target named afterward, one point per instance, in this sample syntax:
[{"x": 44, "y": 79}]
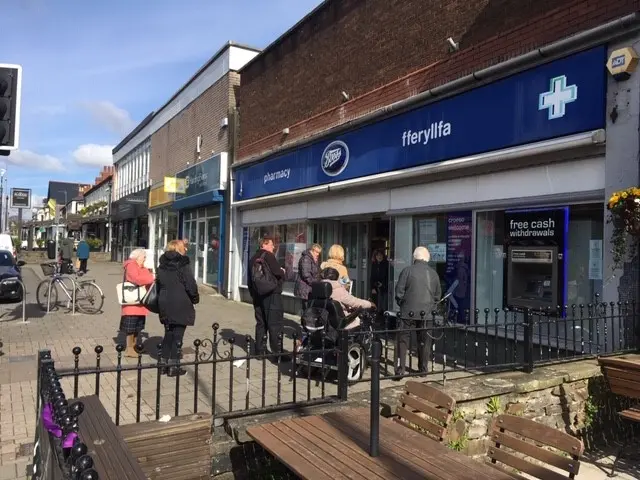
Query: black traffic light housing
[{"x": 10, "y": 86}]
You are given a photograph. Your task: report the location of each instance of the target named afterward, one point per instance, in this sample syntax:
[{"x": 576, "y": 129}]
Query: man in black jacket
[
  {"x": 418, "y": 290},
  {"x": 268, "y": 308}
]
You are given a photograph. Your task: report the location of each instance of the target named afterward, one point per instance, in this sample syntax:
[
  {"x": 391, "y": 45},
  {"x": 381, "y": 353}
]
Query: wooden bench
[
  {"x": 427, "y": 408},
  {"x": 514, "y": 438},
  {"x": 113, "y": 460},
  {"x": 623, "y": 377},
  {"x": 178, "y": 449}
]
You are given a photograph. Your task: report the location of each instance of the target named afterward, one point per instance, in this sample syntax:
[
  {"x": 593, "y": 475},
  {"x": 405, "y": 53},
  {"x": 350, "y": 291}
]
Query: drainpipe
[{"x": 580, "y": 41}]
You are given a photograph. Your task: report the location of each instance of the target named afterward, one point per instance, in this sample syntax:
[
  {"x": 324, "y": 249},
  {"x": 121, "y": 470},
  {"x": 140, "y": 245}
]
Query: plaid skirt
[{"x": 130, "y": 324}]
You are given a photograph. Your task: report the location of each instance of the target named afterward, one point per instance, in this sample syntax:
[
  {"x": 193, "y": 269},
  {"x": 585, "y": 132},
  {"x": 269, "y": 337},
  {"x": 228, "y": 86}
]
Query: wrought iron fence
[
  {"x": 224, "y": 374},
  {"x": 493, "y": 340},
  {"x": 59, "y": 453}
]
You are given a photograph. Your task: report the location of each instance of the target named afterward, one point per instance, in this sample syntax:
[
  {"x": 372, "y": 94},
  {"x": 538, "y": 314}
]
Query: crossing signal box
[{"x": 10, "y": 87}]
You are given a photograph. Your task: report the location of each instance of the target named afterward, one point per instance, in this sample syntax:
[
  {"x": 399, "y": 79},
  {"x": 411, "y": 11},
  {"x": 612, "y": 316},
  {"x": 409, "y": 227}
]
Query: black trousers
[
  {"x": 172, "y": 335},
  {"x": 269, "y": 314},
  {"x": 83, "y": 265},
  {"x": 403, "y": 339}
]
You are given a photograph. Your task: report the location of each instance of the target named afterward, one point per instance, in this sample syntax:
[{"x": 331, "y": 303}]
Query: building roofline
[
  {"x": 206, "y": 65},
  {"x": 286, "y": 34},
  {"x": 98, "y": 185},
  {"x": 133, "y": 133}
]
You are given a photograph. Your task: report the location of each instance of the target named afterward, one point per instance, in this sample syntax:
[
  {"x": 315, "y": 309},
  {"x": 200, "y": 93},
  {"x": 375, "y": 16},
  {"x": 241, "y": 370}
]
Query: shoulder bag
[
  {"x": 129, "y": 293},
  {"x": 150, "y": 300}
]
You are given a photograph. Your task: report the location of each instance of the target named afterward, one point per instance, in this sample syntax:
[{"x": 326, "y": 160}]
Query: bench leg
[{"x": 613, "y": 467}]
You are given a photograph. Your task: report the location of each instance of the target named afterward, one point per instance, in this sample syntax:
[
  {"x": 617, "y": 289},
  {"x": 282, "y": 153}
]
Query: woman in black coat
[
  {"x": 379, "y": 280},
  {"x": 177, "y": 294}
]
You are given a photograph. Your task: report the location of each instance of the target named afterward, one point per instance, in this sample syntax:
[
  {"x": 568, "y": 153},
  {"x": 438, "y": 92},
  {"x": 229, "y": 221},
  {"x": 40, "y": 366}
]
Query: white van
[{"x": 6, "y": 243}]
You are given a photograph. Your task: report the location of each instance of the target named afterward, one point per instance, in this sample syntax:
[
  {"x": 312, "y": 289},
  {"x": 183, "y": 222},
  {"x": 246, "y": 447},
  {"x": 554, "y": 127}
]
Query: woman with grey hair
[{"x": 134, "y": 317}]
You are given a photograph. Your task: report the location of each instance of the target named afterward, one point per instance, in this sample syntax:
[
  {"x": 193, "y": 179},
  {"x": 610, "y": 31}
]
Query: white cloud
[
  {"x": 94, "y": 155},
  {"x": 29, "y": 159},
  {"x": 108, "y": 115},
  {"x": 50, "y": 110}
]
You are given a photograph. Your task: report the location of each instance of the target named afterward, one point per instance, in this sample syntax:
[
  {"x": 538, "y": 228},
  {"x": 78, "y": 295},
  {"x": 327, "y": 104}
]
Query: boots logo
[{"x": 335, "y": 158}]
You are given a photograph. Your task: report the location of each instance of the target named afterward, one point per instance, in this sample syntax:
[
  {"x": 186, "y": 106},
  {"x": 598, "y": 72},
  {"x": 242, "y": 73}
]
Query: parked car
[
  {"x": 10, "y": 277},
  {"x": 6, "y": 243}
]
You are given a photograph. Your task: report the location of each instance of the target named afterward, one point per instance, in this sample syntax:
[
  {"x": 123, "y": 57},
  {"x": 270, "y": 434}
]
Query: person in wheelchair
[{"x": 350, "y": 304}]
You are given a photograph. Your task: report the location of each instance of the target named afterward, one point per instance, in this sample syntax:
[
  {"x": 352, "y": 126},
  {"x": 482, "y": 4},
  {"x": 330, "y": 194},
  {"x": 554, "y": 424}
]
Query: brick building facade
[
  {"x": 432, "y": 142},
  {"x": 381, "y": 51},
  {"x": 190, "y": 139}
]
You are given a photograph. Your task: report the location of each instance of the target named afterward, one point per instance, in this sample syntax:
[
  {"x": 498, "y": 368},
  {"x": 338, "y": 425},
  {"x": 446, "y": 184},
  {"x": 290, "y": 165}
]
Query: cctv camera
[{"x": 454, "y": 46}]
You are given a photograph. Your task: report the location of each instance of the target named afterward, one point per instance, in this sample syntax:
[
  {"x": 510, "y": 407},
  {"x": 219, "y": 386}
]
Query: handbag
[
  {"x": 129, "y": 293},
  {"x": 150, "y": 299}
]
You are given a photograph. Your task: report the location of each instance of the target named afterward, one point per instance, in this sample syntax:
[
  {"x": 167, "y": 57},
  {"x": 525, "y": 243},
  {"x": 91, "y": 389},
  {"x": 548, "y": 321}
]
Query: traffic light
[{"x": 10, "y": 83}]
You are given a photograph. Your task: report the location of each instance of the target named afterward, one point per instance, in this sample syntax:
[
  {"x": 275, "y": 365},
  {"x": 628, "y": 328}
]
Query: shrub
[{"x": 94, "y": 243}]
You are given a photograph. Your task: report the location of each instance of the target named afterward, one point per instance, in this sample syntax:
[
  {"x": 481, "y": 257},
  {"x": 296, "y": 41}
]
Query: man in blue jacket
[{"x": 83, "y": 255}]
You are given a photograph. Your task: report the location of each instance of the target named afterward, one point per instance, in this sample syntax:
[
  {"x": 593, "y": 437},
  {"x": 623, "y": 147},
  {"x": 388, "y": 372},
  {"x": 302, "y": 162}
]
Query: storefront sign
[
  {"x": 537, "y": 227},
  {"x": 560, "y": 98},
  {"x": 536, "y": 263},
  {"x": 175, "y": 185},
  {"x": 458, "y": 260},
  {"x": 20, "y": 198},
  {"x": 131, "y": 206},
  {"x": 158, "y": 196},
  {"x": 210, "y": 175}
]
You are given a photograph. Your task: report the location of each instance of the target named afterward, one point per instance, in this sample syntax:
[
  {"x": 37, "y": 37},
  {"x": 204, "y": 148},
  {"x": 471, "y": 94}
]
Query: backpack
[
  {"x": 316, "y": 319},
  {"x": 263, "y": 280}
]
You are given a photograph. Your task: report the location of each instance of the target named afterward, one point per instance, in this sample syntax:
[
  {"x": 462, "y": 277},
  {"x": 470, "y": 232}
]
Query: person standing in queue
[
  {"x": 418, "y": 290},
  {"x": 177, "y": 295},
  {"x": 265, "y": 287}
]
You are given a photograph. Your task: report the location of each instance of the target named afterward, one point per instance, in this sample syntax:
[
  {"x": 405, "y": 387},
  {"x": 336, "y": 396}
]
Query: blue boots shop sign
[{"x": 560, "y": 98}]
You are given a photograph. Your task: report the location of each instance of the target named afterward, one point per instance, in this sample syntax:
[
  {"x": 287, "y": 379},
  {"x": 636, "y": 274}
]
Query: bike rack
[
  {"x": 73, "y": 293},
  {"x": 24, "y": 295}
]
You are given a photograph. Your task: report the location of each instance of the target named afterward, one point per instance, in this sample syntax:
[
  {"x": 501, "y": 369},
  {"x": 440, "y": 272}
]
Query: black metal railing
[
  {"x": 59, "y": 453},
  {"x": 224, "y": 375},
  {"x": 493, "y": 340}
]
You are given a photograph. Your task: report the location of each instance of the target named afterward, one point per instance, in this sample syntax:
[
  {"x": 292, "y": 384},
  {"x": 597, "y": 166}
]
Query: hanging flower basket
[{"x": 624, "y": 215}]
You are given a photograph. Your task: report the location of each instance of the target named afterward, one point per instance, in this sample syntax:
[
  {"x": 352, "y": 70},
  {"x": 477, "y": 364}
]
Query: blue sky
[{"x": 93, "y": 69}]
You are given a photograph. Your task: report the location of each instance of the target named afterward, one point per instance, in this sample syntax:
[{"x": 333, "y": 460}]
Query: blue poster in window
[{"x": 458, "y": 270}]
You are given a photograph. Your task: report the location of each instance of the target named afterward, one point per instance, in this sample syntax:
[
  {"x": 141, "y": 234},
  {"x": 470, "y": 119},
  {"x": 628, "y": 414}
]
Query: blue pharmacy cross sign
[{"x": 556, "y": 99}]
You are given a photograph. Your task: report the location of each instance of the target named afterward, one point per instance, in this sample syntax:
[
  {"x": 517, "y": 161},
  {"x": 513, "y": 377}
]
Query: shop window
[
  {"x": 213, "y": 250},
  {"x": 489, "y": 261},
  {"x": 582, "y": 278},
  {"x": 290, "y": 241}
]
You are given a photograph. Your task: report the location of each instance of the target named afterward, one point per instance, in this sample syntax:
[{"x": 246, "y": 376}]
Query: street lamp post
[
  {"x": 109, "y": 226},
  {"x": 57, "y": 217},
  {"x": 2, "y": 179}
]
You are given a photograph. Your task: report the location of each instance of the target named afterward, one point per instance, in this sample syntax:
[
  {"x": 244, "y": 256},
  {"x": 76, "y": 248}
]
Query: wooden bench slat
[
  {"x": 631, "y": 375},
  {"x": 187, "y": 423},
  {"x": 201, "y": 469},
  {"x": 620, "y": 362},
  {"x": 170, "y": 441},
  {"x": 333, "y": 443},
  {"x": 390, "y": 468},
  {"x": 294, "y": 459},
  {"x": 428, "y": 455},
  {"x": 111, "y": 455},
  {"x": 417, "y": 404},
  {"x": 537, "y": 471},
  {"x": 627, "y": 388},
  {"x": 533, "y": 451},
  {"x": 432, "y": 428},
  {"x": 540, "y": 433},
  {"x": 632, "y": 414},
  {"x": 431, "y": 394},
  {"x": 341, "y": 462}
]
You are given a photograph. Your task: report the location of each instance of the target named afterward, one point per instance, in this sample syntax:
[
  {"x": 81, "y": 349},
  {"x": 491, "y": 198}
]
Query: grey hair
[
  {"x": 421, "y": 253},
  {"x": 137, "y": 253}
]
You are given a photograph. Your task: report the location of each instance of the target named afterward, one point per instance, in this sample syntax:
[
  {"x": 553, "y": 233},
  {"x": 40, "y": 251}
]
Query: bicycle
[{"x": 89, "y": 297}]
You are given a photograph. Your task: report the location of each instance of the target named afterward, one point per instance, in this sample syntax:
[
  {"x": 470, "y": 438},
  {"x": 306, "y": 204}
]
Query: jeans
[
  {"x": 172, "y": 335},
  {"x": 83, "y": 265}
]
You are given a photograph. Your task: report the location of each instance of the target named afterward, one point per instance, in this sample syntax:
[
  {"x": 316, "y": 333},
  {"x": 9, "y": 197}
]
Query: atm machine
[{"x": 535, "y": 259}]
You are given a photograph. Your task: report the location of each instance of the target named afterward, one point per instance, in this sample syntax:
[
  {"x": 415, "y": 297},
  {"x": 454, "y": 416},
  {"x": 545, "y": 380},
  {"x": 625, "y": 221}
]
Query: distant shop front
[
  {"x": 503, "y": 183},
  {"x": 129, "y": 216},
  {"x": 201, "y": 217},
  {"x": 163, "y": 220}
]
